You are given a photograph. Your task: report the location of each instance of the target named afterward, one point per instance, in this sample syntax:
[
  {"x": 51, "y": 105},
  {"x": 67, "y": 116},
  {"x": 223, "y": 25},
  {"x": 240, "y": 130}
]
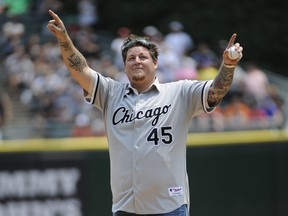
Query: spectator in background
[
  {"x": 187, "y": 69},
  {"x": 13, "y": 31},
  {"x": 116, "y": 44},
  {"x": 168, "y": 61},
  {"x": 20, "y": 69},
  {"x": 179, "y": 41},
  {"x": 82, "y": 126},
  {"x": 107, "y": 68},
  {"x": 6, "y": 112},
  {"x": 214, "y": 122},
  {"x": 207, "y": 72},
  {"x": 153, "y": 34},
  {"x": 33, "y": 46},
  {"x": 87, "y": 13},
  {"x": 43, "y": 5},
  {"x": 256, "y": 82},
  {"x": 87, "y": 41},
  {"x": 16, "y": 7},
  {"x": 237, "y": 113},
  {"x": 238, "y": 79},
  {"x": 205, "y": 56},
  {"x": 3, "y": 7},
  {"x": 207, "y": 61},
  {"x": 279, "y": 115},
  {"x": 237, "y": 86}
]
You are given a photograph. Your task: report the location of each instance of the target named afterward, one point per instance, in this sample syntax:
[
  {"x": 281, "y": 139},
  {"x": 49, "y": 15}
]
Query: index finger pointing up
[
  {"x": 55, "y": 16},
  {"x": 232, "y": 40}
]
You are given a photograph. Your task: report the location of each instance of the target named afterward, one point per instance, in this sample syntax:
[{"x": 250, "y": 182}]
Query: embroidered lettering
[{"x": 123, "y": 115}]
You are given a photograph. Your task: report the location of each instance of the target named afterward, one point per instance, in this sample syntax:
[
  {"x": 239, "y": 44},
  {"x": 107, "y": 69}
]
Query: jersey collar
[{"x": 154, "y": 85}]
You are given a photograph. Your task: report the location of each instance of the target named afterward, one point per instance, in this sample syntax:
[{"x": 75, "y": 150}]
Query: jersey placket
[{"x": 136, "y": 160}]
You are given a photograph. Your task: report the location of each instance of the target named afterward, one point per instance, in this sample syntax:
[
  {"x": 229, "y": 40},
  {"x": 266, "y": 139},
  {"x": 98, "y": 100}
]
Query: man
[{"x": 146, "y": 123}]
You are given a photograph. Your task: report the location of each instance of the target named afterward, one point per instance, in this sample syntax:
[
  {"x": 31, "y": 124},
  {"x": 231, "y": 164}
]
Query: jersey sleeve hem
[
  {"x": 204, "y": 95},
  {"x": 90, "y": 98}
]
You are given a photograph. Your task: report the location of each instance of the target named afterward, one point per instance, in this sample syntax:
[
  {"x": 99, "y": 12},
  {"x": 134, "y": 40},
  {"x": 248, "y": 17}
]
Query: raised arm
[
  {"x": 224, "y": 78},
  {"x": 74, "y": 60}
]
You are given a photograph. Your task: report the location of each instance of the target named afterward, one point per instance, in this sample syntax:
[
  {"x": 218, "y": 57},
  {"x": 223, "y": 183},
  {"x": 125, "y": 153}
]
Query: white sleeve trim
[
  {"x": 90, "y": 98},
  {"x": 205, "y": 91}
]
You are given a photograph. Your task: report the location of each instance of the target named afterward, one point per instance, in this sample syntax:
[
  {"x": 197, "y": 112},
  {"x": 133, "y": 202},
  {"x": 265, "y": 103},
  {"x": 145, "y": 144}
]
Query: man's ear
[{"x": 155, "y": 64}]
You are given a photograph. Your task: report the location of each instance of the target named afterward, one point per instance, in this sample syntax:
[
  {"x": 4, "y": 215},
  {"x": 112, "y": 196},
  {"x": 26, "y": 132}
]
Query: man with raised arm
[{"x": 146, "y": 122}]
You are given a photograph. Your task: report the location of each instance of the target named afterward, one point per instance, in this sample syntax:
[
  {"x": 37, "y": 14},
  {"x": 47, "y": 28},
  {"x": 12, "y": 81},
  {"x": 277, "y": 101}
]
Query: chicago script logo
[{"x": 123, "y": 115}]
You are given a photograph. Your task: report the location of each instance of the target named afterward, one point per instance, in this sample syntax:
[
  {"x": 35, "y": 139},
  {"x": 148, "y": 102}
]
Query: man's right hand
[
  {"x": 73, "y": 59},
  {"x": 57, "y": 27}
]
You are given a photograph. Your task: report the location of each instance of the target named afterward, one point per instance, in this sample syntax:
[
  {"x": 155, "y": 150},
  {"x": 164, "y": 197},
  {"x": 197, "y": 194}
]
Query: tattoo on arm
[
  {"x": 65, "y": 46},
  {"x": 76, "y": 62},
  {"x": 220, "y": 85}
]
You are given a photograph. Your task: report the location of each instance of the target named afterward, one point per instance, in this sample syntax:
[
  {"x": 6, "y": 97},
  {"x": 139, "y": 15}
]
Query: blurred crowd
[{"x": 33, "y": 70}]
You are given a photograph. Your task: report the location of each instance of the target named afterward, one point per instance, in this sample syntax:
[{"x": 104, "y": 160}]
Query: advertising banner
[{"x": 45, "y": 187}]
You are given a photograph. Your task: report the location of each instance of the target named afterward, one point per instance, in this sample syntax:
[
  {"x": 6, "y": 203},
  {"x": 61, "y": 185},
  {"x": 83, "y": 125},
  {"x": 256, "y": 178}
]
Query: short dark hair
[{"x": 134, "y": 40}]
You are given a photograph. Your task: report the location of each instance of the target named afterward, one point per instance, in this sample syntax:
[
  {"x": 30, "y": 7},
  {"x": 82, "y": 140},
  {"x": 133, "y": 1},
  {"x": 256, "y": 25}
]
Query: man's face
[{"x": 140, "y": 67}]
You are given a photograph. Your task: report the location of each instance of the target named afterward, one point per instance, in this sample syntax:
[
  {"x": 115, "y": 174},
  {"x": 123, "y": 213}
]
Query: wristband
[{"x": 229, "y": 66}]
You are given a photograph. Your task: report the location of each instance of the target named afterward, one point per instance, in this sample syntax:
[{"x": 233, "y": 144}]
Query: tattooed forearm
[
  {"x": 220, "y": 85},
  {"x": 76, "y": 62},
  {"x": 65, "y": 45}
]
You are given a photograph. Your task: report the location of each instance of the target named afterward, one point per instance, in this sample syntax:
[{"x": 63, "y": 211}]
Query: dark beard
[{"x": 138, "y": 77}]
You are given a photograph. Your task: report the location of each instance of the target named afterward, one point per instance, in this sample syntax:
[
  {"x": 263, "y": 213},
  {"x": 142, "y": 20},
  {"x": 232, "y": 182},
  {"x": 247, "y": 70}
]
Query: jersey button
[{"x": 137, "y": 129}]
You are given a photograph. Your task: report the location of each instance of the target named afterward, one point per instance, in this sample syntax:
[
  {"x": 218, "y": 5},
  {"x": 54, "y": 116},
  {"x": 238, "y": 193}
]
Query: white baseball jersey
[{"x": 147, "y": 135}]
